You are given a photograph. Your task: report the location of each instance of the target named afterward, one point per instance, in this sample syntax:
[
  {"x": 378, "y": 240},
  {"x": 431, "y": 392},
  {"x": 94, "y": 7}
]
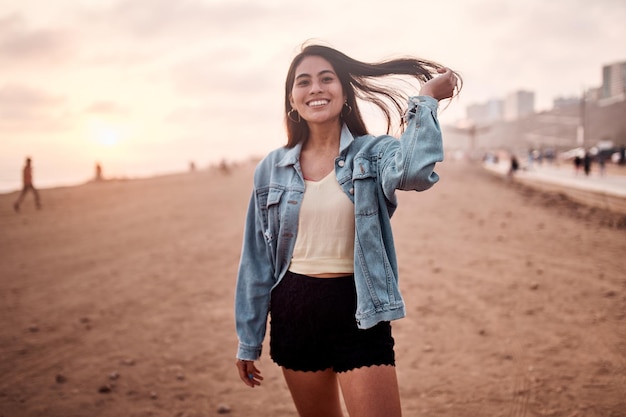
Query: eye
[
  {"x": 302, "y": 83},
  {"x": 328, "y": 79}
]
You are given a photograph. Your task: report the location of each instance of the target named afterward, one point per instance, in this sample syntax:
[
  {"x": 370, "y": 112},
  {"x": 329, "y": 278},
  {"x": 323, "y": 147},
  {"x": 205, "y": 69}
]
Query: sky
[{"x": 146, "y": 86}]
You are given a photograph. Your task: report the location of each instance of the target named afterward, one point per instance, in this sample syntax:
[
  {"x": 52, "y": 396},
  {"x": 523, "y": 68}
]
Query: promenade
[{"x": 606, "y": 190}]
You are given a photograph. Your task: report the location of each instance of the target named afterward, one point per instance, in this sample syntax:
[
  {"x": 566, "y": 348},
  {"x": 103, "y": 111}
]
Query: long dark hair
[{"x": 358, "y": 81}]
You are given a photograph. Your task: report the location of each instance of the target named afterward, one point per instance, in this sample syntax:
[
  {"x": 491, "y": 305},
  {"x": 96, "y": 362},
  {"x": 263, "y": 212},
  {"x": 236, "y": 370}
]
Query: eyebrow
[{"x": 322, "y": 72}]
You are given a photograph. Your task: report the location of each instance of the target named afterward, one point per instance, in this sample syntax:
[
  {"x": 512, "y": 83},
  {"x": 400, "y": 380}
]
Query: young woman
[{"x": 318, "y": 253}]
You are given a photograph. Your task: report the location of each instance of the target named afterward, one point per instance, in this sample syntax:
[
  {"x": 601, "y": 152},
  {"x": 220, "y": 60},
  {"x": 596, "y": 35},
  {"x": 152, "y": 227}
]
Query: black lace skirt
[{"x": 312, "y": 327}]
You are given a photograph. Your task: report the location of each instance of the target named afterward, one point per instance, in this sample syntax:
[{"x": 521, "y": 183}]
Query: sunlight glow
[
  {"x": 107, "y": 136},
  {"x": 107, "y": 133}
]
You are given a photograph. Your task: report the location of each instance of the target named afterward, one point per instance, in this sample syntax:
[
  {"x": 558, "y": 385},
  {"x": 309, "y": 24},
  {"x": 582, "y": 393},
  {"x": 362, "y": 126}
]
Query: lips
[{"x": 317, "y": 103}]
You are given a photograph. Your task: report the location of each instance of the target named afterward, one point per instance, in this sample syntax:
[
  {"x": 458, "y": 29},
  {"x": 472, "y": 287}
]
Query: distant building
[
  {"x": 613, "y": 81},
  {"x": 519, "y": 104},
  {"x": 593, "y": 94},
  {"x": 564, "y": 102},
  {"x": 486, "y": 113}
]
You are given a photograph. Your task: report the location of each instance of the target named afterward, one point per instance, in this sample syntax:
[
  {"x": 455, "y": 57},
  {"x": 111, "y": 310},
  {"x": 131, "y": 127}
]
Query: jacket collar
[
  {"x": 293, "y": 154},
  {"x": 346, "y": 139}
]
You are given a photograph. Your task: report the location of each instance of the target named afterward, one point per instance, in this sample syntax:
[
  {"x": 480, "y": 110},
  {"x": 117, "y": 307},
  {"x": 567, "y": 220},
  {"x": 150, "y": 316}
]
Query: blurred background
[{"x": 147, "y": 87}]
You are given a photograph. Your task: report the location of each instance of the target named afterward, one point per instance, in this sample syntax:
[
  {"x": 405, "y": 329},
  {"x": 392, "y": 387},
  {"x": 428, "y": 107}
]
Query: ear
[{"x": 291, "y": 100}]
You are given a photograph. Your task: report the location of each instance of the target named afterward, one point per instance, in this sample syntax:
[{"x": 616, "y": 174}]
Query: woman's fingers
[
  {"x": 249, "y": 373},
  {"x": 442, "y": 86},
  {"x": 448, "y": 83}
]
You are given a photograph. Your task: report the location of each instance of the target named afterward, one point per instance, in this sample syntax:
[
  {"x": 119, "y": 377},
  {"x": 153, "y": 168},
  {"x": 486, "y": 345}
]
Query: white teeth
[{"x": 318, "y": 103}]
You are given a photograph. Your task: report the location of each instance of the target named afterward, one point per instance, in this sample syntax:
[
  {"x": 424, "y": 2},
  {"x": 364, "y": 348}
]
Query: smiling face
[{"x": 316, "y": 93}]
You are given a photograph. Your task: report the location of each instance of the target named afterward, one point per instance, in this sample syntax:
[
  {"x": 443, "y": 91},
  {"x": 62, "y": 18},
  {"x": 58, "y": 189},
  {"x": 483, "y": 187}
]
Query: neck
[{"x": 324, "y": 136}]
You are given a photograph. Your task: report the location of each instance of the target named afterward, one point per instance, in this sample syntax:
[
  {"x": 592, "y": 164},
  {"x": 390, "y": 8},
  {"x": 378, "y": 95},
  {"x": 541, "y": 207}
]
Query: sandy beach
[{"x": 116, "y": 299}]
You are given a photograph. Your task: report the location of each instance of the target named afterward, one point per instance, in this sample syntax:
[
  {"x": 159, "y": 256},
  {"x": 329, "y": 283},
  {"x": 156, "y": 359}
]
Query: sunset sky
[{"x": 146, "y": 86}]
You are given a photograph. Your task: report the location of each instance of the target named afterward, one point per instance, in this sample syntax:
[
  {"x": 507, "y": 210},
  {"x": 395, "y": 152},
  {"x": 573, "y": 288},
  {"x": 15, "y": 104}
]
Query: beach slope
[{"x": 116, "y": 299}]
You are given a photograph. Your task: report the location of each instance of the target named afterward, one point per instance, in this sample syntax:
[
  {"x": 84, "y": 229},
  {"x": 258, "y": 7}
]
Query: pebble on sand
[{"x": 105, "y": 389}]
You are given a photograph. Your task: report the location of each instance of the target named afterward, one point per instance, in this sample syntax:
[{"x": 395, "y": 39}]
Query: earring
[
  {"x": 290, "y": 116},
  {"x": 346, "y": 106}
]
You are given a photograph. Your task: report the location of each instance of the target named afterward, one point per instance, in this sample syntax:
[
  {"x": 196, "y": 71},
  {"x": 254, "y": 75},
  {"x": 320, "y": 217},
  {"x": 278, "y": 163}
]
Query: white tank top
[{"x": 325, "y": 240}]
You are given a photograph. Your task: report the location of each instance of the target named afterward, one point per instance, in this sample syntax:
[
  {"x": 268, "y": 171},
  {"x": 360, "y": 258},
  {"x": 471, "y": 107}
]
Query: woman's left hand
[{"x": 440, "y": 87}]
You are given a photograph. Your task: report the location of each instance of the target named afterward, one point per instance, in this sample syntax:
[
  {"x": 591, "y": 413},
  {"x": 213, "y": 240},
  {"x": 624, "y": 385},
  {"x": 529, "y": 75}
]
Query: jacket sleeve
[
  {"x": 409, "y": 163},
  {"x": 254, "y": 282}
]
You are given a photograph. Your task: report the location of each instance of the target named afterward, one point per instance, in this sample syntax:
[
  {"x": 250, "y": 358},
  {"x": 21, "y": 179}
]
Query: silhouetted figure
[
  {"x": 192, "y": 166},
  {"x": 224, "y": 168},
  {"x": 514, "y": 165},
  {"x": 98, "y": 172},
  {"x": 578, "y": 162},
  {"x": 27, "y": 181},
  {"x": 587, "y": 163}
]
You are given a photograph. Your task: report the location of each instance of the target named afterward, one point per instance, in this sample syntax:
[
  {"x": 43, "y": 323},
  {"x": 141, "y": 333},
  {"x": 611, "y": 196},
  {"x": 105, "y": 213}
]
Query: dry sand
[{"x": 116, "y": 299}]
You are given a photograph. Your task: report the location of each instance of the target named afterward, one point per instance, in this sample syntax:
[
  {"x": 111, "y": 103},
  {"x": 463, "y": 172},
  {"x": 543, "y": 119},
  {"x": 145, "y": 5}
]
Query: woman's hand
[
  {"x": 440, "y": 87},
  {"x": 248, "y": 373}
]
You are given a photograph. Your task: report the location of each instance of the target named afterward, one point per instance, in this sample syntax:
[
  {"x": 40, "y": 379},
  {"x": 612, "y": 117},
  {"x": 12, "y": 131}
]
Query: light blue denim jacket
[{"x": 369, "y": 169}]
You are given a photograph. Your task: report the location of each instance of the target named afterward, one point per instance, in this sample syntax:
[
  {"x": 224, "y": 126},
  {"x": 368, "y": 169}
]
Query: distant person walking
[
  {"x": 514, "y": 166},
  {"x": 27, "y": 181},
  {"x": 587, "y": 163},
  {"x": 98, "y": 176},
  {"x": 578, "y": 161}
]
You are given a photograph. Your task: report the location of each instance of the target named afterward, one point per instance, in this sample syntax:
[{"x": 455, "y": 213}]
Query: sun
[{"x": 107, "y": 135}]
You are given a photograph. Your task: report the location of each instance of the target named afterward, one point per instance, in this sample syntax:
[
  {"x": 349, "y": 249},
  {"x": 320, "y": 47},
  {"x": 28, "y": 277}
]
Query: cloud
[
  {"x": 228, "y": 77},
  {"x": 214, "y": 113},
  {"x": 106, "y": 108},
  {"x": 551, "y": 48},
  {"x": 165, "y": 18},
  {"x": 23, "y": 108},
  {"x": 23, "y": 46}
]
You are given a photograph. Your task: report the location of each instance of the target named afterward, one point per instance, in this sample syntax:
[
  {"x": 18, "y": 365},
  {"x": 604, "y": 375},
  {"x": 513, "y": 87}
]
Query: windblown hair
[{"x": 358, "y": 80}]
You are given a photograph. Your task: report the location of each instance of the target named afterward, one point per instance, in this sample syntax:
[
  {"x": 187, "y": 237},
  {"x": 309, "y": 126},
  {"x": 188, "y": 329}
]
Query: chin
[{"x": 323, "y": 119}]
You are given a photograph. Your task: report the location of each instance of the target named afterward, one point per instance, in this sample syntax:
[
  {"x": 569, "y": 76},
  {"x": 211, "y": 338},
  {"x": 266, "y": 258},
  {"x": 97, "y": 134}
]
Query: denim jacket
[{"x": 369, "y": 170}]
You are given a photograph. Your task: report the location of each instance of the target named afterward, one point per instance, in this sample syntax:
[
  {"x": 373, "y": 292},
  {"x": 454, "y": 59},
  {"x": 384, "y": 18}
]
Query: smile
[{"x": 317, "y": 103}]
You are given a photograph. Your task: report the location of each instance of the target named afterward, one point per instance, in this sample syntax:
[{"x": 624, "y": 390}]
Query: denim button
[{"x": 341, "y": 163}]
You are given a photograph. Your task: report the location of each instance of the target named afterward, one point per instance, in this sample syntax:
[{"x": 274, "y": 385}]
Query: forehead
[{"x": 312, "y": 65}]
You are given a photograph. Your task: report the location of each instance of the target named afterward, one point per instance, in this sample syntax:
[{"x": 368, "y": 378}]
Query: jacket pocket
[
  {"x": 365, "y": 181},
  {"x": 272, "y": 217}
]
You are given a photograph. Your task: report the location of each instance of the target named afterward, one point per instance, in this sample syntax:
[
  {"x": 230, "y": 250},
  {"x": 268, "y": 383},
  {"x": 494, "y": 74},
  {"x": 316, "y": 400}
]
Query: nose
[{"x": 316, "y": 87}]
